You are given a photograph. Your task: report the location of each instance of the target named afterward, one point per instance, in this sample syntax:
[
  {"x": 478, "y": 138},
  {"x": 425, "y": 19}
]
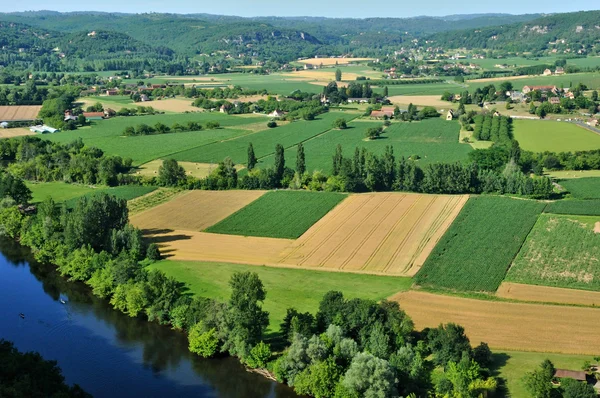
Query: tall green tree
[
  {"x": 539, "y": 382},
  {"x": 300, "y": 160},
  {"x": 251, "y": 157},
  {"x": 338, "y": 75},
  {"x": 337, "y": 160},
  {"x": 170, "y": 173},
  {"x": 279, "y": 162}
]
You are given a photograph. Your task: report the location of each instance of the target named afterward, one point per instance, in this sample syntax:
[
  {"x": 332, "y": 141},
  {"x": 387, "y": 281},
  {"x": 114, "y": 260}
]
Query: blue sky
[{"x": 328, "y": 8}]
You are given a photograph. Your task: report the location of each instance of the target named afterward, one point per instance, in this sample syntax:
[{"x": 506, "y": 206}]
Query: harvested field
[
  {"x": 171, "y": 105},
  {"x": 511, "y": 326},
  {"x": 326, "y": 75},
  {"x": 423, "y": 100},
  {"x": 546, "y": 294},
  {"x": 389, "y": 233},
  {"x": 15, "y": 132},
  {"x": 332, "y": 61},
  {"x": 499, "y": 79},
  {"x": 197, "y": 170},
  {"x": 19, "y": 112},
  {"x": 194, "y": 211},
  {"x": 380, "y": 233}
]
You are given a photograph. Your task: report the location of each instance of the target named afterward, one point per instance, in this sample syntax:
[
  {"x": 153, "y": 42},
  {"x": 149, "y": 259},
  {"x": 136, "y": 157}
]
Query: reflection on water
[{"x": 104, "y": 351}]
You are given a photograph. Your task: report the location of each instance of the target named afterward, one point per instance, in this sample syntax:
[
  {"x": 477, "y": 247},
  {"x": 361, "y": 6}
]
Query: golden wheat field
[
  {"x": 423, "y": 100},
  {"x": 194, "y": 211},
  {"x": 378, "y": 233},
  {"x": 389, "y": 233},
  {"x": 15, "y": 132},
  {"x": 19, "y": 112},
  {"x": 547, "y": 294},
  {"x": 510, "y": 326},
  {"x": 333, "y": 61}
]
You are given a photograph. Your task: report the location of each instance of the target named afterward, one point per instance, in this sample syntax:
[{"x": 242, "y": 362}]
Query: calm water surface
[{"x": 105, "y": 352}]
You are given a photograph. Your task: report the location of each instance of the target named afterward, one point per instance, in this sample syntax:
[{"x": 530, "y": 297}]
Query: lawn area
[
  {"x": 433, "y": 140},
  {"x": 545, "y": 135},
  {"x": 69, "y": 193},
  {"x": 583, "y": 188},
  {"x": 478, "y": 248},
  {"x": 300, "y": 289},
  {"x": 107, "y": 134},
  {"x": 512, "y": 366},
  {"x": 263, "y": 142},
  {"x": 279, "y": 214},
  {"x": 576, "y": 207},
  {"x": 59, "y": 191},
  {"x": 560, "y": 251}
]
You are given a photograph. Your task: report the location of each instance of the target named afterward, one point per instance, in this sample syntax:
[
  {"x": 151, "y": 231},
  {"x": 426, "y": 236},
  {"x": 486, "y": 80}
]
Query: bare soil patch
[
  {"x": 500, "y": 79},
  {"x": 423, "y": 100},
  {"x": 194, "y": 211},
  {"x": 597, "y": 228},
  {"x": 198, "y": 170},
  {"x": 547, "y": 294},
  {"x": 509, "y": 326},
  {"x": 19, "y": 112},
  {"x": 171, "y": 105},
  {"x": 16, "y": 132}
]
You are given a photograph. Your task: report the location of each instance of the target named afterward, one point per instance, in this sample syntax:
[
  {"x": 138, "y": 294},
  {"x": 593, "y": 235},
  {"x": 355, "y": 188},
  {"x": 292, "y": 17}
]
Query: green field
[
  {"x": 263, "y": 142},
  {"x": 478, "y": 248},
  {"x": 107, "y": 134},
  {"x": 512, "y": 366},
  {"x": 300, "y": 289},
  {"x": 560, "y": 251},
  {"x": 591, "y": 80},
  {"x": 545, "y": 135},
  {"x": 434, "y": 140},
  {"x": 583, "y": 188},
  {"x": 63, "y": 192},
  {"x": 279, "y": 214},
  {"x": 576, "y": 207}
]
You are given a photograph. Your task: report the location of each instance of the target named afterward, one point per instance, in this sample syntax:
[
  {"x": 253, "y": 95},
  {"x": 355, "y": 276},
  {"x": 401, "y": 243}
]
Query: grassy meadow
[
  {"x": 433, "y": 140},
  {"x": 544, "y": 135},
  {"x": 69, "y": 193},
  {"x": 107, "y": 134},
  {"x": 583, "y": 188},
  {"x": 263, "y": 142},
  {"x": 286, "y": 288},
  {"x": 574, "y": 207},
  {"x": 560, "y": 251},
  {"x": 478, "y": 248},
  {"x": 279, "y": 214}
]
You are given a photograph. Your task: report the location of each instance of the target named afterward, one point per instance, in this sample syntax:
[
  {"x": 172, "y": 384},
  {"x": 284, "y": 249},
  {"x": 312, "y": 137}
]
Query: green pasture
[
  {"x": 279, "y": 214},
  {"x": 285, "y": 287},
  {"x": 263, "y": 142},
  {"x": 546, "y": 135},
  {"x": 591, "y": 80},
  {"x": 583, "y": 188},
  {"x": 69, "y": 193},
  {"x": 478, "y": 248},
  {"x": 433, "y": 140},
  {"x": 424, "y": 89},
  {"x": 107, "y": 134},
  {"x": 574, "y": 207},
  {"x": 560, "y": 251}
]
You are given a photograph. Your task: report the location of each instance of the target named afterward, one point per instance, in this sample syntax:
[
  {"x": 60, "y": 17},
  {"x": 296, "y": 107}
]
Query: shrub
[
  {"x": 153, "y": 253},
  {"x": 272, "y": 124},
  {"x": 213, "y": 125},
  {"x": 259, "y": 356},
  {"x": 204, "y": 344}
]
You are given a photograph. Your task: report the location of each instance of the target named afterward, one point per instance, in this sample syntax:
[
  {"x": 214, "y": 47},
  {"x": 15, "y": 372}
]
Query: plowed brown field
[
  {"x": 547, "y": 294},
  {"x": 511, "y": 326},
  {"x": 388, "y": 233},
  {"x": 194, "y": 211},
  {"x": 19, "y": 112},
  {"x": 380, "y": 233}
]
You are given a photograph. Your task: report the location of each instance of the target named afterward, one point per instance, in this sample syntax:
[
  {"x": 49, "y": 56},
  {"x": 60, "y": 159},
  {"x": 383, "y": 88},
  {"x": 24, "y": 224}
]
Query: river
[{"x": 104, "y": 351}]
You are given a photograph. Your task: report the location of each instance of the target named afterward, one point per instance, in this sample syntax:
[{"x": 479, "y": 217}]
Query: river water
[{"x": 107, "y": 353}]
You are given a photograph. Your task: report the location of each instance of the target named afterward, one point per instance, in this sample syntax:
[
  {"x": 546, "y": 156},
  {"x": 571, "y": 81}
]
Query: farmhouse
[
  {"x": 528, "y": 89},
  {"x": 450, "y": 115},
  {"x": 559, "y": 71},
  {"x": 112, "y": 92},
  {"x": 43, "y": 129},
  {"x": 570, "y": 374},
  {"x": 144, "y": 98},
  {"x": 515, "y": 96},
  {"x": 554, "y": 100},
  {"x": 547, "y": 72},
  {"x": 592, "y": 122},
  {"x": 358, "y": 100},
  {"x": 69, "y": 116},
  {"x": 94, "y": 115}
]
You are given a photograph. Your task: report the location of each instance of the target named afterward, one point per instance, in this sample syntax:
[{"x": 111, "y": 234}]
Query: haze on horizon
[{"x": 312, "y": 8}]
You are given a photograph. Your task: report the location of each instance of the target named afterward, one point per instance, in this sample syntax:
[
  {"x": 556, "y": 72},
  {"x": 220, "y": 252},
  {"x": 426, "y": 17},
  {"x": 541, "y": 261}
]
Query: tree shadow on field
[
  {"x": 499, "y": 361},
  {"x": 157, "y": 231},
  {"x": 168, "y": 238}
]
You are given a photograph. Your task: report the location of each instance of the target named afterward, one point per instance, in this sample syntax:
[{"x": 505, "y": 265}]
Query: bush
[
  {"x": 259, "y": 356},
  {"x": 204, "y": 344},
  {"x": 340, "y": 124},
  {"x": 373, "y": 133},
  {"x": 272, "y": 124},
  {"x": 213, "y": 125}
]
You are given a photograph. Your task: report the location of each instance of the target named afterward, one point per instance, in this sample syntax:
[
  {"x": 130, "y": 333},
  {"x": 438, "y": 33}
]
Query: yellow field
[
  {"x": 423, "y": 100},
  {"x": 171, "y": 105},
  {"x": 381, "y": 233},
  {"x": 193, "y": 211},
  {"x": 321, "y": 74},
  {"x": 500, "y": 79},
  {"x": 510, "y": 326},
  {"x": 546, "y": 294},
  {"x": 388, "y": 233},
  {"x": 332, "y": 61},
  {"x": 19, "y": 112},
  {"x": 197, "y": 170},
  {"x": 16, "y": 132}
]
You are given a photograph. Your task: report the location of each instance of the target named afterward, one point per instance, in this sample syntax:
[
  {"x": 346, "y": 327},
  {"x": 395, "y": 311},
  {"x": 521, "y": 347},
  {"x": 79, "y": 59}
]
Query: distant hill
[{"x": 574, "y": 31}]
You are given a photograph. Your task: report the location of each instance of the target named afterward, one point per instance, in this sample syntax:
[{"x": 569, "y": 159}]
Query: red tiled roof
[
  {"x": 570, "y": 374},
  {"x": 93, "y": 114}
]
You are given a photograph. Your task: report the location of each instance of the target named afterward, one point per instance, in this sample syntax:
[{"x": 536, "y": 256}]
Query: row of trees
[
  {"x": 161, "y": 128},
  {"x": 493, "y": 128}
]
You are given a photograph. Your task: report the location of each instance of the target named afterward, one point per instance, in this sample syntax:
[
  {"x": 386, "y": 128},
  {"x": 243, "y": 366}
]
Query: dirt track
[{"x": 510, "y": 326}]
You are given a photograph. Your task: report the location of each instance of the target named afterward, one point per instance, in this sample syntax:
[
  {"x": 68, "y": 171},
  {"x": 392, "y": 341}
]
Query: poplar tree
[
  {"x": 300, "y": 160},
  {"x": 251, "y": 157}
]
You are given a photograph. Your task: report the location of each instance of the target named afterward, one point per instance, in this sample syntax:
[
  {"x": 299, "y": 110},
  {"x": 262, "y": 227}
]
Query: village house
[
  {"x": 69, "y": 116},
  {"x": 554, "y": 100},
  {"x": 592, "y": 123},
  {"x": 382, "y": 114},
  {"x": 224, "y": 108},
  {"x": 515, "y": 96},
  {"x": 450, "y": 115},
  {"x": 570, "y": 374},
  {"x": 559, "y": 71},
  {"x": 93, "y": 115},
  {"x": 547, "y": 72},
  {"x": 528, "y": 89},
  {"x": 570, "y": 95},
  {"x": 112, "y": 92},
  {"x": 277, "y": 113},
  {"x": 144, "y": 98}
]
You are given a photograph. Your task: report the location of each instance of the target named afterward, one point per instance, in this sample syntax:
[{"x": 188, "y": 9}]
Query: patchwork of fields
[{"x": 380, "y": 233}]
